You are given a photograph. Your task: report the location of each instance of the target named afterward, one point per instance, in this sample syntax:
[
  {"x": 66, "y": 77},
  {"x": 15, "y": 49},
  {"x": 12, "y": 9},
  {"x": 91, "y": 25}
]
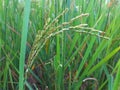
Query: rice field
[{"x": 59, "y": 45}]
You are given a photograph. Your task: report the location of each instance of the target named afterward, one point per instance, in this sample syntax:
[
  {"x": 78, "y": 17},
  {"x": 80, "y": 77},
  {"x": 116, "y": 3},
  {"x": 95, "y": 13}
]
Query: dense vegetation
[{"x": 60, "y": 45}]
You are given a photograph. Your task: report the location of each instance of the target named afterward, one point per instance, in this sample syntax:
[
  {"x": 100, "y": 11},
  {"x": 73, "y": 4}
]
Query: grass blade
[
  {"x": 104, "y": 60},
  {"x": 116, "y": 85},
  {"x": 23, "y": 44}
]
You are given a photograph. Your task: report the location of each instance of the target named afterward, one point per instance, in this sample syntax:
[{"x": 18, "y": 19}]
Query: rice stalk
[{"x": 50, "y": 30}]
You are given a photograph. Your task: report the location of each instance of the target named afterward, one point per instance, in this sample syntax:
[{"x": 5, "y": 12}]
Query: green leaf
[
  {"x": 23, "y": 44},
  {"x": 103, "y": 61}
]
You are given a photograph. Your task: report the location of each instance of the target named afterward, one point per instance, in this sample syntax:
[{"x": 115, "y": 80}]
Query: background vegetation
[{"x": 60, "y": 45}]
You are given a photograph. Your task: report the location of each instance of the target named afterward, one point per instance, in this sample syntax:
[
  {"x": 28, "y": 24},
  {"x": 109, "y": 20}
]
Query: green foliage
[
  {"x": 59, "y": 45},
  {"x": 23, "y": 44}
]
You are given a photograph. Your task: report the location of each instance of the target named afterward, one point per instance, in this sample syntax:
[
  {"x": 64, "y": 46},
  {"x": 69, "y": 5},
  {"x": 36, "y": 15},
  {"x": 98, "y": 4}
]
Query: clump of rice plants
[{"x": 59, "y": 45}]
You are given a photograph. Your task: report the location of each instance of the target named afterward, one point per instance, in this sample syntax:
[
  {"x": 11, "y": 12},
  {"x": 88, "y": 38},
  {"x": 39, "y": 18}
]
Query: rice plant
[{"x": 59, "y": 45}]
